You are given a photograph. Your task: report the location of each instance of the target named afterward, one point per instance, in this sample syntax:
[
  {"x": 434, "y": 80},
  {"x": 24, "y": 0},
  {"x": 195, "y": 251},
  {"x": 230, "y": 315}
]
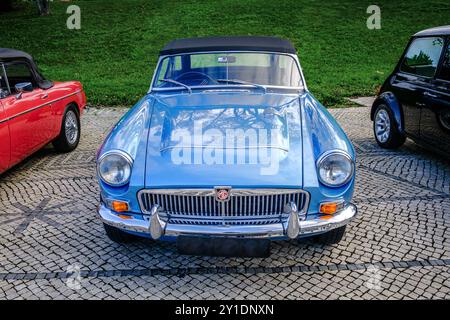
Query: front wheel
[
  {"x": 69, "y": 136},
  {"x": 118, "y": 235},
  {"x": 385, "y": 130},
  {"x": 331, "y": 237}
]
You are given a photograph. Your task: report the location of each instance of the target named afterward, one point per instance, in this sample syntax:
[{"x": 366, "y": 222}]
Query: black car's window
[
  {"x": 444, "y": 73},
  {"x": 18, "y": 73},
  {"x": 422, "y": 57}
]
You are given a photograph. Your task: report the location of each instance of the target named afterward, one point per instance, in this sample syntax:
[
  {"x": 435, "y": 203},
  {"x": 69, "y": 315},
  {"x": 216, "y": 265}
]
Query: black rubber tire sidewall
[
  {"x": 118, "y": 235},
  {"x": 395, "y": 139},
  {"x": 61, "y": 143},
  {"x": 331, "y": 237}
]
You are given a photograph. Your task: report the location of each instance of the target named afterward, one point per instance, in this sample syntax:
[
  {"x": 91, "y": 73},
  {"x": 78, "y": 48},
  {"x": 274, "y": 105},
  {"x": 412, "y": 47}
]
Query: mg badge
[{"x": 222, "y": 193}]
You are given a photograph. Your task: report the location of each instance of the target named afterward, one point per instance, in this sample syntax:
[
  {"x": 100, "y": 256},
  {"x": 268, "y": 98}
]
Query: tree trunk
[{"x": 43, "y": 7}]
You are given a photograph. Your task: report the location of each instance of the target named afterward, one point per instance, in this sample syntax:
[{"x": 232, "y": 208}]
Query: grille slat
[
  {"x": 210, "y": 205},
  {"x": 266, "y": 204},
  {"x": 199, "y": 206}
]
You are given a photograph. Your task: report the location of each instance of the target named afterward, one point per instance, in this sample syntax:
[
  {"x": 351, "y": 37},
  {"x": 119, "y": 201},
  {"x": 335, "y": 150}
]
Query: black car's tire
[
  {"x": 385, "y": 129},
  {"x": 69, "y": 136},
  {"x": 331, "y": 237},
  {"x": 118, "y": 235}
]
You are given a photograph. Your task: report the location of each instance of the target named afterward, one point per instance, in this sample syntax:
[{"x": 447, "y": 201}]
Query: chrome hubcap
[
  {"x": 382, "y": 126},
  {"x": 71, "y": 127}
]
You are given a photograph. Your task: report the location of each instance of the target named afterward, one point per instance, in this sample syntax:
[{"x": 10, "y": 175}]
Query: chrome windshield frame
[{"x": 294, "y": 56}]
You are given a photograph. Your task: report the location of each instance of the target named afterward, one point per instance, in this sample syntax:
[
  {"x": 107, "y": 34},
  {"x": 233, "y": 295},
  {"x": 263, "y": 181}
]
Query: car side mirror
[
  {"x": 3, "y": 94},
  {"x": 23, "y": 87}
]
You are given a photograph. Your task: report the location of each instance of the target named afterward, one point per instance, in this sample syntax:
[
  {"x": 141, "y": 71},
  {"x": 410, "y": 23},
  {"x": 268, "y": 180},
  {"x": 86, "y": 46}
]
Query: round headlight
[
  {"x": 335, "y": 168},
  {"x": 114, "y": 168}
]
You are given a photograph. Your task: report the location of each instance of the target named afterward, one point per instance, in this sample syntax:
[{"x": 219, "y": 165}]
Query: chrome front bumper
[{"x": 294, "y": 227}]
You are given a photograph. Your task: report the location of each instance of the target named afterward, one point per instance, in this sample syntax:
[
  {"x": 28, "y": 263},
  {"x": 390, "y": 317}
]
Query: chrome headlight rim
[
  {"x": 122, "y": 154},
  {"x": 325, "y": 155}
]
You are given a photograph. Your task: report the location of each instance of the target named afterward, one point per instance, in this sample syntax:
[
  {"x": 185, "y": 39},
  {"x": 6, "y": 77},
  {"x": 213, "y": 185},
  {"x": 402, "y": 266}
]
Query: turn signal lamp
[
  {"x": 119, "y": 206},
  {"x": 331, "y": 207}
]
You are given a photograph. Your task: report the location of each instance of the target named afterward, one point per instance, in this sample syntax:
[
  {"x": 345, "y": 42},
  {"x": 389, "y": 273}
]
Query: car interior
[
  {"x": 444, "y": 73},
  {"x": 419, "y": 68},
  {"x": 3, "y": 86},
  {"x": 206, "y": 76},
  {"x": 17, "y": 72}
]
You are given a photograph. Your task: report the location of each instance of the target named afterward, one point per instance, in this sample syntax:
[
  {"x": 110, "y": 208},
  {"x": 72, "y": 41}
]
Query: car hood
[{"x": 238, "y": 139}]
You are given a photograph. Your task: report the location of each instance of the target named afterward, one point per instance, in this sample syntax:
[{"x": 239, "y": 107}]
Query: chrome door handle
[
  {"x": 44, "y": 96},
  {"x": 430, "y": 95}
]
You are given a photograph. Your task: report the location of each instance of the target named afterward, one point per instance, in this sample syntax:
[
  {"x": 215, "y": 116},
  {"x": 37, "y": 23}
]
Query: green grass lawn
[{"x": 115, "y": 52}]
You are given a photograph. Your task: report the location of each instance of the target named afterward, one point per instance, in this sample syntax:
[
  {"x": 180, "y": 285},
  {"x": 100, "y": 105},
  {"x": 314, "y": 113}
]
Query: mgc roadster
[
  {"x": 35, "y": 111},
  {"x": 227, "y": 143}
]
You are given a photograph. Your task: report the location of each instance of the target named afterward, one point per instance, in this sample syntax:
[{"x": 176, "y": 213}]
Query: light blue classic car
[{"x": 228, "y": 143}]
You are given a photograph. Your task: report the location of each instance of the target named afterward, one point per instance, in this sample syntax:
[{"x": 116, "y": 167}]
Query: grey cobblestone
[{"x": 397, "y": 248}]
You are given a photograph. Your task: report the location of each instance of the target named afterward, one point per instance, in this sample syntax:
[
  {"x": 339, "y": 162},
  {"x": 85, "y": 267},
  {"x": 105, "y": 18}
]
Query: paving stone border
[{"x": 181, "y": 272}]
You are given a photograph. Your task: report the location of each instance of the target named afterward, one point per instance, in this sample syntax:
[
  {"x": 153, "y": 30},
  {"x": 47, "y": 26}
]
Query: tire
[
  {"x": 331, "y": 237},
  {"x": 69, "y": 136},
  {"x": 385, "y": 129},
  {"x": 118, "y": 235}
]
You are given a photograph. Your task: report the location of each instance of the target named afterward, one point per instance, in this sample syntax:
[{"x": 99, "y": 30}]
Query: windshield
[{"x": 228, "y": 68}]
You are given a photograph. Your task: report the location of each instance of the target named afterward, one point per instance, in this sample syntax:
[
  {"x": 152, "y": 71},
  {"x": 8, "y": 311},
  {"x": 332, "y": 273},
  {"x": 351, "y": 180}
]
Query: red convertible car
[{"x": 35, "y": 111}]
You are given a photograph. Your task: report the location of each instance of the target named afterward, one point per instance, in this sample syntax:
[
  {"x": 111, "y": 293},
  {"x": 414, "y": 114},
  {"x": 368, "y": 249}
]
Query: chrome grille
[{"x": 199, "y": 206}]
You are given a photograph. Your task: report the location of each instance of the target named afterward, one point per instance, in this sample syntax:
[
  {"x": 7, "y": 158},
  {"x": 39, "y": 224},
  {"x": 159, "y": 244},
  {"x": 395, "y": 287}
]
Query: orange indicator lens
[
  {"x": 119, "y": 206},
  {"x": 328, "y": 208}
]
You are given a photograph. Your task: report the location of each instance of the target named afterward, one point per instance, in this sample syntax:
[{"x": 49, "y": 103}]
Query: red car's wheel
[{"x": 69, "y": 136}]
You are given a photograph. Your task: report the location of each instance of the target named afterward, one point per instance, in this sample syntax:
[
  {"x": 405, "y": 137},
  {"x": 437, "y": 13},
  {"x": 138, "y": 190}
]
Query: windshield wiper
[
  {"x": 177, "y": 83},
  {"x": 244, "y": 82}
]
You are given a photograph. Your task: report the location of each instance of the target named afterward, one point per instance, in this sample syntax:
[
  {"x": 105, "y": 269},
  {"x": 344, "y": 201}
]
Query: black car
[{"x": 414, "y": 101}]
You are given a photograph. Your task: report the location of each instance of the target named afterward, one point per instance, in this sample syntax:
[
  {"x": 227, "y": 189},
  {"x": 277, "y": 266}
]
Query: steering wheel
[{"x": 202, "y": 75}]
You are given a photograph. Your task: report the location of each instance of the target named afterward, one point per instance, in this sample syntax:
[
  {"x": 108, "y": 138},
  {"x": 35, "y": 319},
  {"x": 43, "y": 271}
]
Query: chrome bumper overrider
[{"x": 294, "y": 227}]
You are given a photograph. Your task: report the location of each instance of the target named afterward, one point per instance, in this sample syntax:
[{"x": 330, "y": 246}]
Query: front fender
[
  {"x": 130, "y": 136},
  {"x": 389, "y": 99},
  {"x": 321, "y": 133},
  {"x": 322, "y": 129}
]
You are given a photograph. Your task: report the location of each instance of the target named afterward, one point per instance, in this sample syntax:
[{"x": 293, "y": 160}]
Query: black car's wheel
[
  {"x": 385, "y": 130},
  {"x": 69, "y": 136},
  {"x": 118, "y": 235},
  {"x": 331, "y": 237}
]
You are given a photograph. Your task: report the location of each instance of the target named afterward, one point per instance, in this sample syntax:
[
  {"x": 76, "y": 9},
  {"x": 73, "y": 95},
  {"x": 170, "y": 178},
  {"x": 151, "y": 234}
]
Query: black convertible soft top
[
  {"x": 9, "y": 55},
  {"x": 240, "y": 43}
]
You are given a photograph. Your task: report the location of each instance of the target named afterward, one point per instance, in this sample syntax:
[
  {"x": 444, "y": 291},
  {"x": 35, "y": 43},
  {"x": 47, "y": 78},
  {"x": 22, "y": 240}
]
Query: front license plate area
[{"x": 223, "y": 247}]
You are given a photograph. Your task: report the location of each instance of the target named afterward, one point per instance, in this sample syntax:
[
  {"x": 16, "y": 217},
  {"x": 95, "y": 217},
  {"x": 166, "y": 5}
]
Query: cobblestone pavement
[{"x": 53, "y": 246}]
